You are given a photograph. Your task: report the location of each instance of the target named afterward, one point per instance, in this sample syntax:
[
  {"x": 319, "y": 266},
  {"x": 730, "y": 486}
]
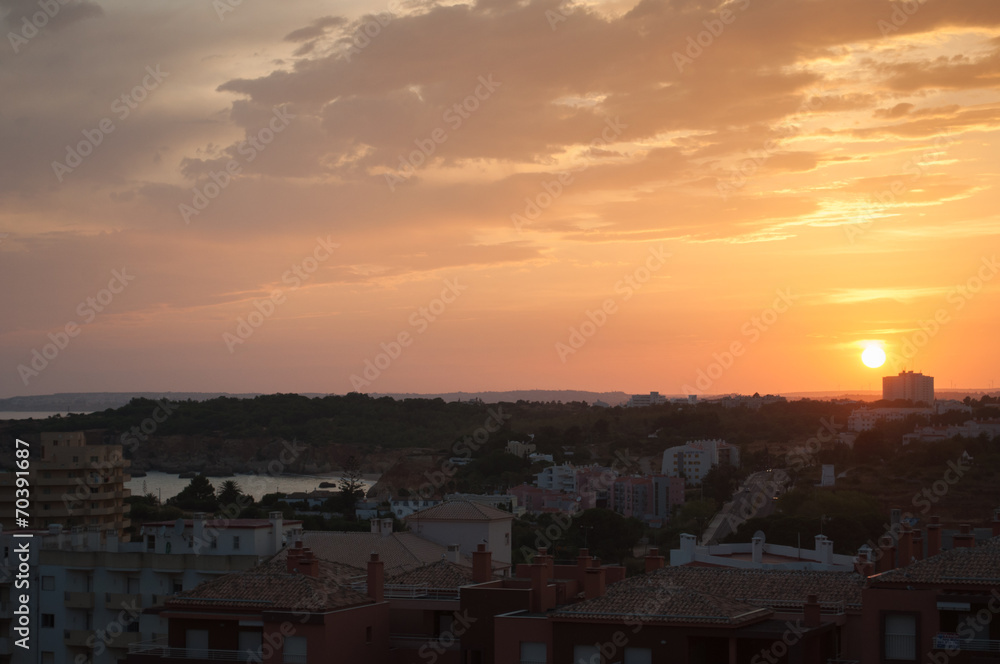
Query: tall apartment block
[
  {"x": 909, "y": 385},
  {"x": 73, "y": 484}
]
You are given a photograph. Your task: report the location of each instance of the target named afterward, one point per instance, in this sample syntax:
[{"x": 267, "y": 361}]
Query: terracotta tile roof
[
  {"x": 655, "y": 598},
  {"x": 460, "y": 510},
  {"x": 979, "y": 566},
  {"x": 440, "y": 574},
  {"x": 771, "y": 588},
  {"x": 716, "y": 595},
  {"x": 270, "y": 587},
  {"x": 398, "y": 551}
]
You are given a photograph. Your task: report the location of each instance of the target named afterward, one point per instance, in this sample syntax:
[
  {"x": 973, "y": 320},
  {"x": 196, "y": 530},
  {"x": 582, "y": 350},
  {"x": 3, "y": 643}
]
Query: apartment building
[
  {"x": 73, "y": 484},
  {"x": 908, "y": 385},
  {"x": 693, "y": 460}
]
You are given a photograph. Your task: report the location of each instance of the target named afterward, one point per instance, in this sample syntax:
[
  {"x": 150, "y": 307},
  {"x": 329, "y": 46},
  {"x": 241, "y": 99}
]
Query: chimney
[
  {"x": 386, "y": 527},
  {"x": 454, "y": 554},
  {"x": 863, "y": 565},
  {"x": 996, "y": 522},
  {"x": 917, "y": 549},
  {"x": 757, "y": 550},
  {"x": 654, "y": 560},
  {"x": 905, "y": 554},
  {"x": 934, "y": 536},
  {"x": 376, "y": 578},
  {"x": 583, "y": 560},
  {"x": 544, "y": 558},
  {"x": 895, "y": 517},
  {"x": 964, "y": 539},
  {"x": 538, "y": 584},
  {"x": 199, "y": 530},
  {"x": 811, "y": 611},
  {"x": 824, "y": 550},
  {"x": 376, "y": 525},
  {"x": 687, "y": 548},
  {"x": 482, "y": 565},
  {"x": 886, "y": 560},
  {"x": 276, "y": 519},
  {"x": 307, "y": 563},
  {"x": 593, "y": 583}
]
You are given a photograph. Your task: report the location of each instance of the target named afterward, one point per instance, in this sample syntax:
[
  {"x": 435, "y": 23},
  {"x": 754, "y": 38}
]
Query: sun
[{"x": 873, "y": 356}]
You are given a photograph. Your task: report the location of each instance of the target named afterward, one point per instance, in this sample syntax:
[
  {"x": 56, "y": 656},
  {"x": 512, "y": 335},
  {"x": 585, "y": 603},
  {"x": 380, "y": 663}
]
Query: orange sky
[{"x": 601, "y": 196}]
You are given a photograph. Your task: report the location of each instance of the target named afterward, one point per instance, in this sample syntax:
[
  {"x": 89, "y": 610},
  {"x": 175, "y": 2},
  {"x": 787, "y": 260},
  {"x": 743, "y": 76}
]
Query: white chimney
[
  {"x": 687, "y": 548},
  {"x": 757, "y": 549},
  {"x": 276, "y": 530},
  {"x": 454, "y": 555}
]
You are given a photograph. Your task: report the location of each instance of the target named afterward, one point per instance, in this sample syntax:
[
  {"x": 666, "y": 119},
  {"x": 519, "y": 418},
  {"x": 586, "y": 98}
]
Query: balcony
[
  {"x": 118, "y": 601},
  {"x": 946, "y": 641},
  {"x": 124, "y": 640},
  {"x": 78, "y": 600},
  {"x": 160, "y": 650},
  {"x": 78, "y": 637},
  {"x": 417, "y": 641}
]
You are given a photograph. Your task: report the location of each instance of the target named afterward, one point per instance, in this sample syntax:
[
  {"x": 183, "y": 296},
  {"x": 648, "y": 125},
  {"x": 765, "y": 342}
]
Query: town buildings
[{"x": 642, "y": 400}]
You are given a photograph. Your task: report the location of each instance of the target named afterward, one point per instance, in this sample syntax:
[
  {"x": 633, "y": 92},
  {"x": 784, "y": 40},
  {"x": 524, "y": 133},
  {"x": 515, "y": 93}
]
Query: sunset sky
[{"x": 527, "y": 195}]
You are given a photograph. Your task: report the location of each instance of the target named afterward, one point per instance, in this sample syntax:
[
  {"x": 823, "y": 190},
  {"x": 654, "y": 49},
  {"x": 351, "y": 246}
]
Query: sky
[{"x": 411, "y": 196}]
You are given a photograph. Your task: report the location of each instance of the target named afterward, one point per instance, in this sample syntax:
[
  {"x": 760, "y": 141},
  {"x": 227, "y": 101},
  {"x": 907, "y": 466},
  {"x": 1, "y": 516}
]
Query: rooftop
[
  {"x": 398, "y": 551},
  {"x": 460, "y": 510},
  {"x": 978, "y": 566}
]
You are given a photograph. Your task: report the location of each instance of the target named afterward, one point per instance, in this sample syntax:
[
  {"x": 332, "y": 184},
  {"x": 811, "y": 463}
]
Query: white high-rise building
[
  {"x": 693, "y": 460},
  {"x": 908, "y": 385}
]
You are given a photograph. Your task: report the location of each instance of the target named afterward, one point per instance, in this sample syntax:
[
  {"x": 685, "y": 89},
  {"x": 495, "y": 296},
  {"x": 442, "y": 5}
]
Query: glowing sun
[{"x": 873, "y": 357}]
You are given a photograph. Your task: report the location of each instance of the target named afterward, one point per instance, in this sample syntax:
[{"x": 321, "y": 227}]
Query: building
[
  {"x": 648, "y": 498},
  {"x": 693, "y": 460},
  {"x": 940, "y": 609},
  {"x": 642, "y": 400},
  {"x": 519, "y": 449},
  {"x": 467, "y": 524},
  {"x": 534, "y": 500},
  {"x": 758, "y": 554},
  {"x": 557, "y": 478},
  {"x": 673, "y": 614},
  {"x": 914, "y": 387},
  {"x": 404, "y": 507},
  {"x": 93, "y": 596},
  {"x": 753, "y": 402},
  {"x": 73, "y": 484},
  {"x": 866, "y": 419},
  {"x": 293, "y": 610},
  {"x": 503, "y": 502}
]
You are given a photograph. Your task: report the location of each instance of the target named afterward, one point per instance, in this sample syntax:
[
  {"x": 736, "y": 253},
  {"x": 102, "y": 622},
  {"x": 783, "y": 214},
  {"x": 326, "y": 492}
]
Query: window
[
  {"x": 533, "y": 653},
  {"x": 236, "y": 542},
  {"x": 586, "y": 655},
  {"x": 900, "y": 637},
  {"x": 93, "y": 459},
  {"x": 295, "y": 650},
  {"x": 48, "y": 583},
  {"x": 48, "y": 620},
  {"x": 638, "y": 656}
]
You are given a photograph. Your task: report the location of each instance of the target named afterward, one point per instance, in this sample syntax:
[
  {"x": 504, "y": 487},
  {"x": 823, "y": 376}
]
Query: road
[{"x": 754, "y": 498}]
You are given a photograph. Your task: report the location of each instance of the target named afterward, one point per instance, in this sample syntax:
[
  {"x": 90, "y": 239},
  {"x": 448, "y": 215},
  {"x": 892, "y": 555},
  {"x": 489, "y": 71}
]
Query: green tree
[
  {"x": 351, "y": 486},
  {"x": 197, "y": 496},
  {"x": 231, "y": 493}
]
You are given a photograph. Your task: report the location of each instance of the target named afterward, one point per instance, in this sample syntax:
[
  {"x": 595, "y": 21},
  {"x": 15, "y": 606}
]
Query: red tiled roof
[
  {"x": 767, "y": 587},
  {"x": 460, "y": 510},
  {"x": 649, "y": 597},
  {"x": 978, "y": 566},
  {"x": 441, "y": 574},
  {"x": 270, "y": 587}
]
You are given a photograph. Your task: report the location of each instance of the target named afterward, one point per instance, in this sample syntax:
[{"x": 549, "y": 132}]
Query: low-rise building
[
  {"x": 693, "y": 460},
  {"x": 643, "y": 400}
]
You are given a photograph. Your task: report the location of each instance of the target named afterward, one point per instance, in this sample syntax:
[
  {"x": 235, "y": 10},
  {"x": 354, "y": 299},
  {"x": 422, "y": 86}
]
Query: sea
[{"x": 168, "y": 485}]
